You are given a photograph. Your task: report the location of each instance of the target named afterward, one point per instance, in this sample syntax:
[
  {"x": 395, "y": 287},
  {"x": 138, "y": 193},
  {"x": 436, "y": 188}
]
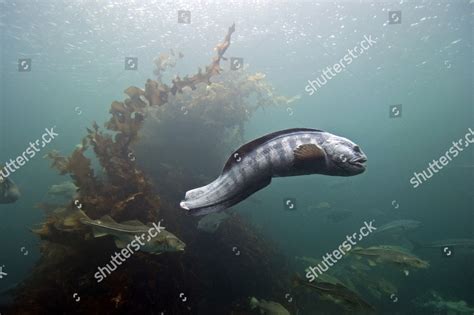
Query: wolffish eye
[{"x": 357, "y": 149}]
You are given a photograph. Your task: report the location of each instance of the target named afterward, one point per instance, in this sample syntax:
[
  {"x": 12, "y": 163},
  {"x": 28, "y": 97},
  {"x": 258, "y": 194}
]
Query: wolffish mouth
[{"x": 359, "y": 161}]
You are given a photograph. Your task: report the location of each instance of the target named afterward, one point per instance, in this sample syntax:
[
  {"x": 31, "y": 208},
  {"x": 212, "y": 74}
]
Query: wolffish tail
[
  {"x": 202, "y": 205},
  {"x": 201, "y": 201},
  {"x": 198, "y": 192}
]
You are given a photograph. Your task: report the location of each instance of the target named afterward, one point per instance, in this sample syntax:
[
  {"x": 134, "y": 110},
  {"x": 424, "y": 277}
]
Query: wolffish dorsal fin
[{"x": 248, "y": 147}]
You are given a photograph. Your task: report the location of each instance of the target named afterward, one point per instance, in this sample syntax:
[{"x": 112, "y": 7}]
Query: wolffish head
[{"x": 344, "y": 157}]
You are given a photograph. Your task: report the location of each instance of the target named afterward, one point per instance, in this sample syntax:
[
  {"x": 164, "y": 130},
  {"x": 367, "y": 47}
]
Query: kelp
[
  {"x": 165, "y": 62},
  {"x": 213, "y": 103}
]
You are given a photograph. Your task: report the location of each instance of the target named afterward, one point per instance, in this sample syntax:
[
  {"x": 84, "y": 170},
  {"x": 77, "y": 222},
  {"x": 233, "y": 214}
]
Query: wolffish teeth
[{"x": 359, "y": 160}]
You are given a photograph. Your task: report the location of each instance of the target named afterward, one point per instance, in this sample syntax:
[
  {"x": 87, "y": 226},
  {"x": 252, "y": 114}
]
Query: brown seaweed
[{"x": 150, "y": 284}]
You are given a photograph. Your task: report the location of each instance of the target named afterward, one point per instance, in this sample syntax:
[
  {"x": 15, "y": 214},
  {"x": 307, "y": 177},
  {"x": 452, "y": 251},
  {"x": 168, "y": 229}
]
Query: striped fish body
[
  {"x": 251, "y": 168},
  {"x": 289, "y": 152}
]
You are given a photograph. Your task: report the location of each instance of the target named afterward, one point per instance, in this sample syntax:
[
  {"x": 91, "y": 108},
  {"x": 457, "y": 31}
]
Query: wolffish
[{"x": 290, "y": 152}]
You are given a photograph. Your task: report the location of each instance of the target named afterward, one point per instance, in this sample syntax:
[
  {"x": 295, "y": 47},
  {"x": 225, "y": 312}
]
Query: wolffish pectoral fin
[{"x": 309, "y": 155}]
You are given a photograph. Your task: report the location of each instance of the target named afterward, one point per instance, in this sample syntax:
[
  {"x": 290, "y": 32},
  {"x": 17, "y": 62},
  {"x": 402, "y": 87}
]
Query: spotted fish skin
[{"x": 284, "y": 153}]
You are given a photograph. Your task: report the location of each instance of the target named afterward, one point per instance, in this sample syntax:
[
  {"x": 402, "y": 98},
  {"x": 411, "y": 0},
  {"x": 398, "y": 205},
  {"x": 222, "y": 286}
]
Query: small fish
[
  {"x": 290, "y": 152},
  {"x": 9, "y": 191},
  {"x": 441, "y": 305},
  {"x": 66, "y": 189},
  {"x": 268, "y": 307},
  {"x": 125, "y": 232},
  {"x": 398, "y": 225},
  {"x": 465, "y": 243},
  {"x": 211, "y": 222},
  {"x": 390, "y": 254},
  {"x": 338, "y": 293}
]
